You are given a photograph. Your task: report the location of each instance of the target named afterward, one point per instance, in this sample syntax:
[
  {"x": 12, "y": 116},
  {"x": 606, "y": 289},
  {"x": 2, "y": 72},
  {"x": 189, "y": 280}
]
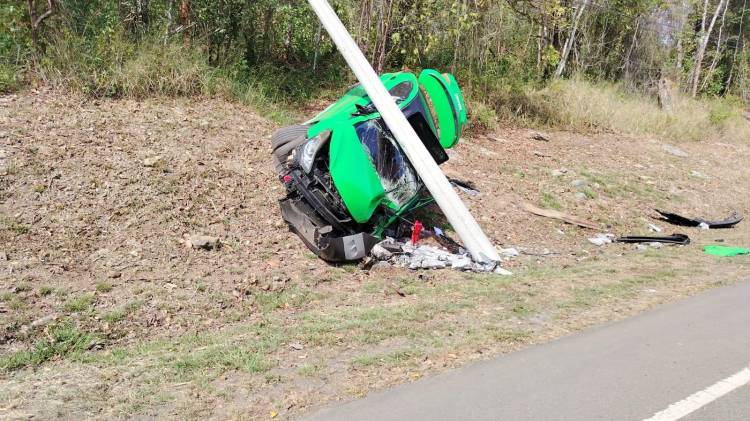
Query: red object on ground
[
  {"x": 416, "y": 232},
  {"x": 287, "y": 178}
]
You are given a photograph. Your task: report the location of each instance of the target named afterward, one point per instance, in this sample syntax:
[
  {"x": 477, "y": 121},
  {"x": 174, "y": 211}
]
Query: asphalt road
[{"x": 629, "y": 370}]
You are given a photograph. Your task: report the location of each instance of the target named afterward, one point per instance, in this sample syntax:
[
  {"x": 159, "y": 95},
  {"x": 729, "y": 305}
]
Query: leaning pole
[{"x": 454, "y": 209}]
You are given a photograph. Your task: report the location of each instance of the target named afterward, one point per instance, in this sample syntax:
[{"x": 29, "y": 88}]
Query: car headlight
[{"x": 308, "y": 151}]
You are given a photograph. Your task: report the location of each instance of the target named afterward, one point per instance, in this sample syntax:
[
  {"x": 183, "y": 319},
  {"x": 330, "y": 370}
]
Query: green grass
[
  {"x": 548, "y": 200},
  {"x": 221, "y": 359},
  {"x": 79, "y": 303},
  {"x": 311, "y": 370},
  {"x": 104, "y": 287},
  {"x": 522, "y": 310},
  {"x": 290, "y": 297},
  {"x": 620, "y": 185},
  {"x": 390, "y": 359},
  {"x": 14, "y": 301},
  {"x": 120, "y": 313},
  {"x": 64, "y": 340},
  {"x": 12, "y": 225}
]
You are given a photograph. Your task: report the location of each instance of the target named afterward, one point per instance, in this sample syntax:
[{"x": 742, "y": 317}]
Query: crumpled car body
[{"x": 348, "y": 182}]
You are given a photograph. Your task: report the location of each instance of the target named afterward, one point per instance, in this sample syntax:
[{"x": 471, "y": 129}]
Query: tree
[
  {"x": 703, "y": 38},
  {"x": 36, "y": 20}
]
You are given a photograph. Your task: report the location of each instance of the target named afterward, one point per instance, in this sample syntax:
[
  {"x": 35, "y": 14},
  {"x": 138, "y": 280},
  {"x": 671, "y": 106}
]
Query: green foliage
[
  {"x": 15, "y": 45},
  {"x": 274, "y": 55}
]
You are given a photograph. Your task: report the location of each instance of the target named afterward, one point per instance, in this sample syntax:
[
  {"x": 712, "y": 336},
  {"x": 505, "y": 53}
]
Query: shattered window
[{"x": 396, "y": 174}]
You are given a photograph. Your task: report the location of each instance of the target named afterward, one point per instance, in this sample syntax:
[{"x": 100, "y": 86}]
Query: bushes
[{"x": 112, "y": 66}]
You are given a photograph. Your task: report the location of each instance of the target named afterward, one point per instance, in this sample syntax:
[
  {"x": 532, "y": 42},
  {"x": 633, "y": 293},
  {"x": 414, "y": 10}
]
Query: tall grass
[{"x": 577, "y": 104}]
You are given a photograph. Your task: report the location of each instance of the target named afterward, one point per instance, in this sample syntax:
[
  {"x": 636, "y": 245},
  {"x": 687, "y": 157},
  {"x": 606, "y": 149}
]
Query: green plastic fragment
[{"x": 725, "y": 251}]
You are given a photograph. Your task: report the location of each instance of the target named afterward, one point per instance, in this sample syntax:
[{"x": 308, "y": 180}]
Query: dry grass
[{"x": 577, "y": 104}]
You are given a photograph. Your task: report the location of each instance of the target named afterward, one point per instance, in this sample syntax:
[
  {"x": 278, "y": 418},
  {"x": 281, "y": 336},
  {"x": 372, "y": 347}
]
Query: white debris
[
  {"x": 428, "y": 257},
  {"x": 601, "y": 239},
  {"x": 462, "y": 263},
  {"x": 704, "y": 226},
  {"x": 674, "y": 150},
  {"x": 509, "y": 252},
  {"x": 698, "y": 174},
  {"x": 379, "y": 252},
  {"x": 505, "y": 272},
  {"x": 653, "y": 228}
]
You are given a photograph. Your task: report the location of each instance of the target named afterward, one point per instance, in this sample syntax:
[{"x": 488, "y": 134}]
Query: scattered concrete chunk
[
  {"x": 543, "y": 137},
  {"x": 579, "y": 184},
  {"x": 379, "y": 252},
  {"x": 204, "y": 242},
  {"x": 674, "y": 150},
  {"x": 152, "y": 161},
  {"x": 601, "y": 239}
]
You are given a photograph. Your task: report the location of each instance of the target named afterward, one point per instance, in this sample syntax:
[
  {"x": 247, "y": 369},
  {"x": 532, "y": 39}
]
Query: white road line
[{"x": 697, "y": 400}]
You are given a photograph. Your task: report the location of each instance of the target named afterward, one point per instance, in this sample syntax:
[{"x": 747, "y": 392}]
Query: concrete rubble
[
  {"x": 602, "y": 239},
  {"x": 417, "y": 257}
]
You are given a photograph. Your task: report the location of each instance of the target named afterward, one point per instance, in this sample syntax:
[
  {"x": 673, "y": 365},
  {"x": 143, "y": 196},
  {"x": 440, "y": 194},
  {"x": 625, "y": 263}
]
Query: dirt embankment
[{"x": 98, "y": 201}]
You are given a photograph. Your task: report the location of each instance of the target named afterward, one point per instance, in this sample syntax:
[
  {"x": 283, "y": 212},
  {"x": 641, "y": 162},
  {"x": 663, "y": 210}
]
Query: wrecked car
[{"x": 348, "y": 182}]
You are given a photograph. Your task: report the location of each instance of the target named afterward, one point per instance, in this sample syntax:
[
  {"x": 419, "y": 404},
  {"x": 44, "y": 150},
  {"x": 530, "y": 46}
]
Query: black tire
[
  {"x": 288, "y": 134},
  {"x": 284, "y": 141}
]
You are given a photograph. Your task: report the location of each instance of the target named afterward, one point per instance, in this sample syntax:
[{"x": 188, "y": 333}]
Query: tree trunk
[
  {"x": 381, "y": 42},
  {"x": 318, "y": 36},
  {"x": 666, "y": 95},
  {"x": 702, "y": 44},
  {"x": 571, "y": 39},
  {"x": 35, "y": 21},
  {"x": 736, "y": 46},
  {"x": 633, "y": 44},
  {"x": 719, "y": 42},
  {"x": 185, "y": 21},
  {"x": 267, "y": 35}
]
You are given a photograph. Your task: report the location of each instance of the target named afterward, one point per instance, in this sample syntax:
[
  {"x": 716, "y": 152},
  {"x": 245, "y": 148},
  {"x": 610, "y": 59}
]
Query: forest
[{"x": 276, "y": 50}]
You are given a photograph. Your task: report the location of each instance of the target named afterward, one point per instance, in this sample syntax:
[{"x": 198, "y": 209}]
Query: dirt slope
[{"x": 97, "y": 200}]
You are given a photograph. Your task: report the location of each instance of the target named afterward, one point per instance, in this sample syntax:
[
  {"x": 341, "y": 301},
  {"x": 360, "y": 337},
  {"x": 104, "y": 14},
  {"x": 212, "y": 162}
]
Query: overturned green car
[{"x": 348, "y": 183}]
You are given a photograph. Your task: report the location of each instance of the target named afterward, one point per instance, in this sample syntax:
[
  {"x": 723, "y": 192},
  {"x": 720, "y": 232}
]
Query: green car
[{"x": 348, "y": 183}]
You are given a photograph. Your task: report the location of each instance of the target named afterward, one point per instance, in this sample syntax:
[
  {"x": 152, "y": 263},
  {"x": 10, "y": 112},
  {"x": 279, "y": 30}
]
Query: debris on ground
[
  {"x": 465, "y": 186},
  {"x": 429, "y": 257},
  {"x": 653, "y": 228},
  {"x": 602, "y": 239},
  {"x": 674, "y": 150},
  {"x": 508, "y": 252},
  {"x": 152, "y": 161},
  {"x": 725, "y": 251},
  {"x": 680, "y": 239},
  {"x": 543, "y": 137},
  {"x": 204, "y": 242},
  {"x": 549, "y": 213},
  {"x": 680, "y": 220},
  {"x": 698, "y": 174},
  {"x": 416, "y": 232}
]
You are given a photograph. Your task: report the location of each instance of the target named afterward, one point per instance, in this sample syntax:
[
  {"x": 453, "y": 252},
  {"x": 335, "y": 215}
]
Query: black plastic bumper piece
[{"x": 320, "y": 238}]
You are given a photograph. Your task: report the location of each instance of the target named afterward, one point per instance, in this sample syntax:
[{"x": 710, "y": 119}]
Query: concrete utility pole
[{"x": 454, "y": 209}]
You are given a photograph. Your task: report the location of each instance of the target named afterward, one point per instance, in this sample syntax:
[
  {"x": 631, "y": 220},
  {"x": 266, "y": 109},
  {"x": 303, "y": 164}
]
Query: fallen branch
[{"x": 549, "y": 213}]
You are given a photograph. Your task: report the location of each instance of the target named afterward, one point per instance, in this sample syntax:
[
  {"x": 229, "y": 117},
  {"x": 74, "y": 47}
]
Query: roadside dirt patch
[{"x": 103, "y": 289}]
